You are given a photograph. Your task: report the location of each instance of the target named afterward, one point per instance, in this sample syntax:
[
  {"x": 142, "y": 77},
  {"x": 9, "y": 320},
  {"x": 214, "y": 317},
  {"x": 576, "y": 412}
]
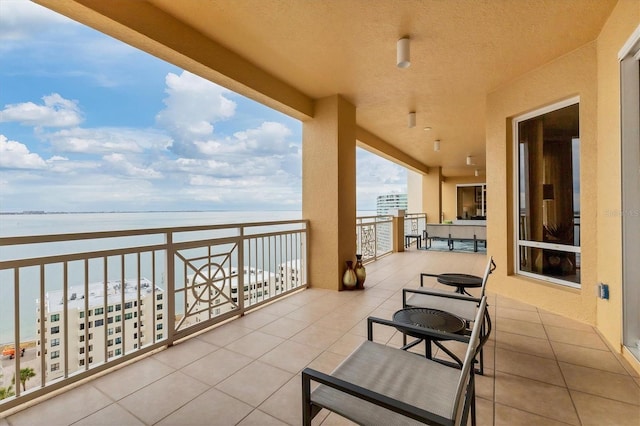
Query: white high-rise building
[
  {"x": 99, "y": 324},
  {"x": 388, "y": 202}
]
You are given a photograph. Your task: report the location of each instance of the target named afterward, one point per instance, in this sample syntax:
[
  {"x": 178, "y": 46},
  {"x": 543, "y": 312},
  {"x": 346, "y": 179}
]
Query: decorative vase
[
  {"x": 349, "y": 279},
  {"x": 361, "y": 272}
]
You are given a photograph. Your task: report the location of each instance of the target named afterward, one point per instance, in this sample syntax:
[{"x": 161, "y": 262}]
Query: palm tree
[
  {"x": 26, "y": 374},
  {"x": 8, "y": 391}
]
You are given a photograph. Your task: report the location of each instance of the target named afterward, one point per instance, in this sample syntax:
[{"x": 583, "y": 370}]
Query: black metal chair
[
  {"x": 457, "y": 304},
  {"x": 379, "y": 384}
]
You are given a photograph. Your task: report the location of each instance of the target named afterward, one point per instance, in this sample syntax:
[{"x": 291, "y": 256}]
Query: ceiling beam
[
  {"x": 150, "y": 29},
  {"x": 372, "y": 143}
]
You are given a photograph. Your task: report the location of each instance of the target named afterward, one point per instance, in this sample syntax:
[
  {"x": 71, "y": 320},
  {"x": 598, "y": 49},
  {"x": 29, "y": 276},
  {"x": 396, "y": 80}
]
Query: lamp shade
[{"x": 403, "y": 59}]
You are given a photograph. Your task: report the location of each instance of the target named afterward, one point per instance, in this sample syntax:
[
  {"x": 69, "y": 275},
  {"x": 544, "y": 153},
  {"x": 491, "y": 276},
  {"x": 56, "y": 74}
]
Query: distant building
[
  {"x": 98, "y": 324},
  {"x": 389, "y": 202}
]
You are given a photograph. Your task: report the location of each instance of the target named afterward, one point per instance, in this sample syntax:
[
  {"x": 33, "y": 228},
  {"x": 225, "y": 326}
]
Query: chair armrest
[
  {"x": 431, "y": 292},
  {"x": 431, "y": 332},
  {"x": 424, "y": 274},
  {"x": 376, "y": 398}
]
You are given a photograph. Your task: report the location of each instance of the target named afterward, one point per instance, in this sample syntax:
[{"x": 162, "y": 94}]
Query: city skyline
[{"x": 88, "y": 123}]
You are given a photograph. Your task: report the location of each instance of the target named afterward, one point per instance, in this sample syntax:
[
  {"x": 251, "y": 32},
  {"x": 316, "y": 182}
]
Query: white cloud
[
  {"x": 55, "y": 112},
  {"x": 108, "y": 139},
  {"x": 192, "y": 106},
  {"x": 14, "y": 155},
  {"x": 120, "y": 163},
  {"x": 22, "y": 19}
]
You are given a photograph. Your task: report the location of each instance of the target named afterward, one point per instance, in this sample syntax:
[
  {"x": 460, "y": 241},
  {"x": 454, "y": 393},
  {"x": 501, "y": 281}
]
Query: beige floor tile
[
  {"x": 485, "y": 384},
  {"x": 63, "y": 409},
  {"x": 225, "y": 334},
  {"x": 129, "y": 379},
  {"x": 161, "y": 398},
  {"x": 254, "y": 383},
  {"x": 255, "y": 344},
  {"x": 185, "y": 353},
  {"x": 529, "y": 366},
  {"x": 346, "y": 344},
  {"x": 517, "y": 314},
  {"x": 285, "y": 327},
  {"x": 280, "y": 308},
  {"x": 524, "y": 328},
  {"x": 111, "y": 415},
  {"x": 524, "y": 344},
  {"x": 256, "y": 319},
  {"x": 509, "y": 416},
  {"x": 559, "y": 321},
  {"x": 260, "y": 418},
  {"x": 212, "y": 407},
  {"x": 307, "y": 314},
  {"x": 596, "y": 411},
  {"x": 291, "y": 356},
  {"x": 506, "y": 302},
  {"x": 334, "y": 419},
  {"x": 326, "y": 362},
  {"x": 484, "y": 412},
  {"x": 535, "y": 397},
  {"x": 3, "y": 422},
  {"x": 589, "y": 339},
  {"x": 216, "y": 366},
  {"x": 381, "y": 333},
  {"x": 620, "y": 387},
  {"x": 587, "y": 357},
  {"x": 340, "y": 323},
  {"x": 317, "y": 336},
  {"x": 286, "y": 403}
]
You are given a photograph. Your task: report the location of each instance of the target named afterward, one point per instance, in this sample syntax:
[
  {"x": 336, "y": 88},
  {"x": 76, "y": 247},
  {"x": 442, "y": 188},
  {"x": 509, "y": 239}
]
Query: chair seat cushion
[
  {"x": 398, "y": 374},
  {"x": 460, "y": 308}
]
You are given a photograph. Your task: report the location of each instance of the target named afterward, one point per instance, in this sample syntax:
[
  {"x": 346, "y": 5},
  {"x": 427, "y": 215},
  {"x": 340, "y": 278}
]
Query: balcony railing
[
  {"x": 82, "y": 303},
  {"x": 415, "y": 223},
  {"x": 374, "y": 236}
]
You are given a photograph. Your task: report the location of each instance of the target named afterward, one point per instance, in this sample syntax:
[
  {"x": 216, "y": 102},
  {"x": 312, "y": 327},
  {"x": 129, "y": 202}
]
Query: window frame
[{"x": 518, "y": 243}]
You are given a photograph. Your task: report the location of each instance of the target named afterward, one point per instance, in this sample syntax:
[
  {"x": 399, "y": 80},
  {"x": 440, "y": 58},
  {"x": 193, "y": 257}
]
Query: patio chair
[
  {"x": 382, "y": 385},
  {"x": 457, "y": 304}
]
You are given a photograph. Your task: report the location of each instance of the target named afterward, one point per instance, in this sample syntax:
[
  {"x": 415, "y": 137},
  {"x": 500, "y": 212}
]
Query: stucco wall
[
  {"x": 624, "y": 19},
  {"x": 574, "y": 74}
]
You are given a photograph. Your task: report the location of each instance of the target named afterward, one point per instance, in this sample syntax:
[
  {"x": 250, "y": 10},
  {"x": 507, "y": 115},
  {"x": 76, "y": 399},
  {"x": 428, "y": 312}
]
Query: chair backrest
[
  {"x": 464, "y": 388},
  {"x": 491, "y": 266}
]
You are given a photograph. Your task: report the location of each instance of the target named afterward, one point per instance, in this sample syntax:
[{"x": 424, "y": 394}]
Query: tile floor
[{"x": 541, "y": 369}]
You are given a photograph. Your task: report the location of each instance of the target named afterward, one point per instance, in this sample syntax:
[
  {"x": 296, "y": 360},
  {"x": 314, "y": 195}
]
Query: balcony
[{"x": 540, "y": 368}]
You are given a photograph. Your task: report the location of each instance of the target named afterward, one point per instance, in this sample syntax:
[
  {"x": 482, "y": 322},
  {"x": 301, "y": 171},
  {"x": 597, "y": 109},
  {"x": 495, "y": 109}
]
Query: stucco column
[
  {"x": 432, "y": 194},
  {"x": 329, "y": 189}
]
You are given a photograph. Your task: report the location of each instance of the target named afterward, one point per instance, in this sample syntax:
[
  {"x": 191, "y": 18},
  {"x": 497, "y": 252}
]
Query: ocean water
[{"x": 61, "y": 223}]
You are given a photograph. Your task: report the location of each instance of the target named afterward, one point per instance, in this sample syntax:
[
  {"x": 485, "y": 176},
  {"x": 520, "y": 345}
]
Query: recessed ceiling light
[{"x": 427, "y": 128}]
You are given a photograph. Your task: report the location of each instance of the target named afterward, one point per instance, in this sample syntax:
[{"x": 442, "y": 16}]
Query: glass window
[
  {"x": 55, "y": 354},
  {"x": 55, "y": 330},
  {"x": 55, "y": 317},
  {"x": 99, "y": 323},
  {"x": 548, "y": 194},
  {"x": 118, "y": 352},
  {"x": 55, "y": 342},
  {"x": 128, "y": 305},
  {"x": 118, "y": 340},
  {"x": 98, "y": 311},
  {"x": 55, "y": 366}
]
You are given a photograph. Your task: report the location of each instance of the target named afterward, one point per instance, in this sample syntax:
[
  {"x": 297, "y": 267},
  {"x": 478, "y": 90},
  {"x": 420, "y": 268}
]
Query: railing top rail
[{"x": 50, "y": 238}]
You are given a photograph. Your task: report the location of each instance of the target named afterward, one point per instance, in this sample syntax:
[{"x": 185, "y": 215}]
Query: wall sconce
[
  {"x": 412, "y": 120},
  {"x": 469, "y": 160},
  {"x": 436, "y": 145},
  {"x": 403, "y": 58}
]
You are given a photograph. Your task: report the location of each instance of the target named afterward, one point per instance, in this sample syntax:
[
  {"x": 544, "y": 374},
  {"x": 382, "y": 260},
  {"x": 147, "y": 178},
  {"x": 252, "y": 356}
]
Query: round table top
[
  {"x": 460, "y": 280},
  {"x": 430, "y": 318}
]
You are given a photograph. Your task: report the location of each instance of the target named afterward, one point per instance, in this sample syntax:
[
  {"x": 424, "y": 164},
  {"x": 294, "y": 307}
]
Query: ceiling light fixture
[
  {"x": 476, "y": 173},
  {"x": 436, "y": 145},
  {"x": 403, "y": 59},
  {"x": 412, "y": 119},
  {"x": 469, "y": 160},
  {"x": 426, "y": 129}
]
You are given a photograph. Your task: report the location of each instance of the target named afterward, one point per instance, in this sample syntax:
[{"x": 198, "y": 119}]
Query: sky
[{"x": 88, "y": 123}]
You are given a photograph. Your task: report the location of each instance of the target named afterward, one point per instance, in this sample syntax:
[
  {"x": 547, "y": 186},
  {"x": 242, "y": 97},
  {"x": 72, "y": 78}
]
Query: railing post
[
  {"x": 241, "y": 266},
  {"x": 171, "y": 289},
  {"x": 398, "y": 231}
]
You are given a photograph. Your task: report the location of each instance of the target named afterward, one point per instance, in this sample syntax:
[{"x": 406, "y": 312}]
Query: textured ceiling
[{"x": 460, "y": 51}]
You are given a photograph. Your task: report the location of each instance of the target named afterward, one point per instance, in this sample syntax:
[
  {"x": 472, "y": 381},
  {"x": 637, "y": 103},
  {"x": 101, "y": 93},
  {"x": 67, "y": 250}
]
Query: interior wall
[
  {"x": 624, "y": 19},
  {"x": 449, "y": 193},
  {"x": 574, "y": 74}
]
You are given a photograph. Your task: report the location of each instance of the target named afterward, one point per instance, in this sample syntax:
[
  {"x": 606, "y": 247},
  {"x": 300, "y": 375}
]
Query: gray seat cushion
[{"x": 397, "y": 374}]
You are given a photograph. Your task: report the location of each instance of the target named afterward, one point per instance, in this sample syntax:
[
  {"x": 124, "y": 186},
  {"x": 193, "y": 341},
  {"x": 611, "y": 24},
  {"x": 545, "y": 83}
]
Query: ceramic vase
[
  {"x": 361, "y": 272},
  {"x": 349, "y": 279}
]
